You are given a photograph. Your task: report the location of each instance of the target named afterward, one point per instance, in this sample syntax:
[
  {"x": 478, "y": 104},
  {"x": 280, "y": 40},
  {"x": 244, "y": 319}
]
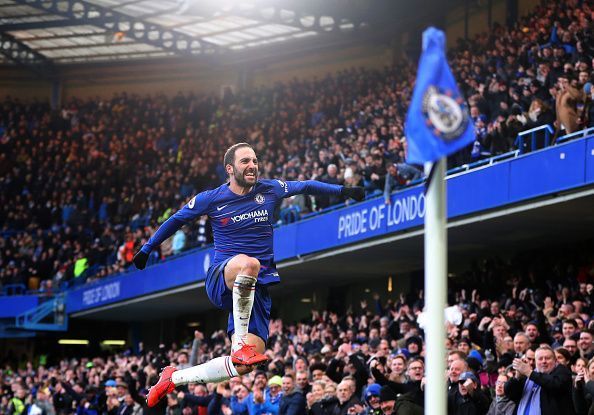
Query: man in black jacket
[
  {"x": 469, "y": 399},
  {"x": 292, "y": 401},
  {"x": 545, "y": 390}
]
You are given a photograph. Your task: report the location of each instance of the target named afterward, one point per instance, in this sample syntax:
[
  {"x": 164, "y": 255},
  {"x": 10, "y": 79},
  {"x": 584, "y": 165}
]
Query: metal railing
[{"x": 521, "y": 144}]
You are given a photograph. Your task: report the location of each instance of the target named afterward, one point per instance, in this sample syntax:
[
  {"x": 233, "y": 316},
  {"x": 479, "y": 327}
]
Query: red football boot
[
  {"x": 247, "y": 356},
  {"x": 162, "y": 388}
]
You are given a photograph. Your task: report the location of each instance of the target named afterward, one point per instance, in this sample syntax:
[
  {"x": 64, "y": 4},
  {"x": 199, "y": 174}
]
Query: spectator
[
  {"x": 173, "y": 407},
  {"x": 399, "y": 175},
  {"x": 546, "y": 389},
  {"x": 179, "y": 241},
  {"x": 372, "y": 400},
  {"x": 302, "y": 382},
  {"x": 131, "y": 407},
  {"x": 586, "y": 345},
  {"x": 468, "y": 399},
  {"x": 388, "y": 400},
  {"x": 292, "y": 401},
  {"x": 569, "y": 96},
  {"x": 501, "y": 405}
]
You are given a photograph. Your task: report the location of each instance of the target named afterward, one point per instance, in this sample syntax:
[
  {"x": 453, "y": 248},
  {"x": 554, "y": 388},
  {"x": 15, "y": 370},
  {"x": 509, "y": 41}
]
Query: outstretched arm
[
  {"x": 196, "y": 207},
  {"x": 314, "y": 187}
]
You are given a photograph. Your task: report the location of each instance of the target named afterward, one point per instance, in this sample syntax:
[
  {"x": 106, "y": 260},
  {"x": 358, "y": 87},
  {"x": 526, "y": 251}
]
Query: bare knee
[{"x": 248, "y": 266}]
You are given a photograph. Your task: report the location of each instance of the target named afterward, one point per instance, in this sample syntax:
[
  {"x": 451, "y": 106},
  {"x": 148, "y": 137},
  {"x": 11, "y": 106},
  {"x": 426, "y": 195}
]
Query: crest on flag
[{"x": 445, "y": 112}]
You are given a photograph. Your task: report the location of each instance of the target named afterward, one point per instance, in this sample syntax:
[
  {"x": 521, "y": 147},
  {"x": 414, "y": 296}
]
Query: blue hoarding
[{"x": 566, "y": 166}]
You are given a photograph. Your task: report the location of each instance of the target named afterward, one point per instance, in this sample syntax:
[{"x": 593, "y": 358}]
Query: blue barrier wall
[
  {"x": 556, "y": 168},
  {"x": 12, "y": 306},
  {"x": 562, "y": 167},
  {"x": 590, "y": 160},
  {"x": 174, "y": 273}
]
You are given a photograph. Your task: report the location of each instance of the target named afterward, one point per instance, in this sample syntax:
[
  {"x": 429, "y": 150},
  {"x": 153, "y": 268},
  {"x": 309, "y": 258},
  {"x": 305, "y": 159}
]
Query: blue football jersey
[{"x": 242, "y": 224}]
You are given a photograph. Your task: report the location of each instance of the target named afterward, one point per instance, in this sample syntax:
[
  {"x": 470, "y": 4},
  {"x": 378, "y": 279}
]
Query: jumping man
[{"x": 241, "y": 214}]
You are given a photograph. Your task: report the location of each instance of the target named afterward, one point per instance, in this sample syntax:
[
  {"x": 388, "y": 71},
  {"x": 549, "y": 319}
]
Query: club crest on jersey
[
  {"x": 192, "y": 202},
  {"x": 445, "y": 113},
  {"x": 259, "y": 198}
]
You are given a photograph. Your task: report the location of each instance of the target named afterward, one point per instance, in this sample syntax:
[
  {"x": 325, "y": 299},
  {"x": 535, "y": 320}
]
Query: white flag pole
[{"x": 435, "y": 291}]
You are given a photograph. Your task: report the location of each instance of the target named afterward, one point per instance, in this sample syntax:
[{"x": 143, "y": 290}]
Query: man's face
[
  {"x": 498, "y": 331},
  {"x": 520, "y": 344},
  {"x": 260, "y": 381},
  {"x": 374, "y": 402},
  {"x": 317, "y": 374},
  {"x": 563, "y": 83},
  {"x": 287, "y": 384},
  {"x": 451, "y": 359},
  {"x": 274, "y": 389},
  {"x": 416, "y": 371},
  {"x": 568, "y": 330},
  {"x": 302, "y": 380},
  {"x": 494, "y": 308},
  {"x": 499, "y": 385},
  {"x": 570, "y": 345},
  {"x": 245, "y": 167},
  {"x": 508, "y": 343},
  {"x": 456, "y": 369},
  {"x": 585, "y": 342},
  {"x": 300, "y": 365},
  {"x": 388, "y": 407},
  {"x": 200, "y": 390},
  {"x": 545, "y": 360},
  {"x": 531, "y": 332},
  {"x": 128, "y": 400},
  {"x": 242, "y": 393},
  {"x": 530, "y": 357},
  {"x": 343, "y": 392}
]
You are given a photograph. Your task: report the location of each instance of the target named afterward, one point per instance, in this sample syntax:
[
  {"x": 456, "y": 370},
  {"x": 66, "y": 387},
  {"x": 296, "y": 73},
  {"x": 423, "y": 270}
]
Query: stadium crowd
[
  {"x": 523, "y": 340},
  {"x": 82, "y": 188}
]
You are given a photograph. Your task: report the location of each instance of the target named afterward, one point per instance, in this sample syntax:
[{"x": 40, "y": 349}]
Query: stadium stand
[{"x": 332, "y": 362}]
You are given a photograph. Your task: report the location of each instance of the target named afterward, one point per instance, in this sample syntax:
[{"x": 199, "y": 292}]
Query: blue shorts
[{"x": 222, "y": 297}]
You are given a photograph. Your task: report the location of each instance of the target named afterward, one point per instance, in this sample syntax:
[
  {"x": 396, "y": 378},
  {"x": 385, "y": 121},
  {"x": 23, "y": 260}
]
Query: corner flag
[{"x": 437, "y": 123}]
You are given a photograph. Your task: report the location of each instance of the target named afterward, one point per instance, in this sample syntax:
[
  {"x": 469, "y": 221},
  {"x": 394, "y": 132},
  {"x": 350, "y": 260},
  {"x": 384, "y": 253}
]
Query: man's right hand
[{"x": 140, "y": 260}]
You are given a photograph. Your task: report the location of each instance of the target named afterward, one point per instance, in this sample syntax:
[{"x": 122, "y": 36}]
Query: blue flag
[{"x": 437, "y": 123}]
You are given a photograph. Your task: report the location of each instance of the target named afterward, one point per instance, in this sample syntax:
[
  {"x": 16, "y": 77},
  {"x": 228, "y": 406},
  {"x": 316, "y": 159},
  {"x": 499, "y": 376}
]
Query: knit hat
[
  {"x": 372, "y": 390},
  {"x": 387, "y": 394},
  {"x": 414, "y": 339},
  {"x": 275, "y": 381},
  {"x": 477, "y": 355}
]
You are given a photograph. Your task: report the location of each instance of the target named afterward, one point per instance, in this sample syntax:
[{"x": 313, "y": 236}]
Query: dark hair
[
  {"x": 230, "y": 153},
  {"x": 318, "y": 366},
  {"x": 572, "y": 322},
  {"x": 564, "y": 352}
]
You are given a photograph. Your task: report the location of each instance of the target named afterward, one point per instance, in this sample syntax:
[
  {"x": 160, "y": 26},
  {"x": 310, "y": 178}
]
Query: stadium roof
[{"x": 44, "y": 33}]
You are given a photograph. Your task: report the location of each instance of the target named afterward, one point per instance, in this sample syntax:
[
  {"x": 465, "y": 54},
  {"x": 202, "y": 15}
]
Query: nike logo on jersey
[{"x": 219, "y": 208}]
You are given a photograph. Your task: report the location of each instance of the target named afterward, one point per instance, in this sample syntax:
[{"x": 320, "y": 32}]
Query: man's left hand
[{"x": 355, "y": 192}]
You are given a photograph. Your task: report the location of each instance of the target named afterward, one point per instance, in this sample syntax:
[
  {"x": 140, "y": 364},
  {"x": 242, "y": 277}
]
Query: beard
[{"x": 240, "y": 179}]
